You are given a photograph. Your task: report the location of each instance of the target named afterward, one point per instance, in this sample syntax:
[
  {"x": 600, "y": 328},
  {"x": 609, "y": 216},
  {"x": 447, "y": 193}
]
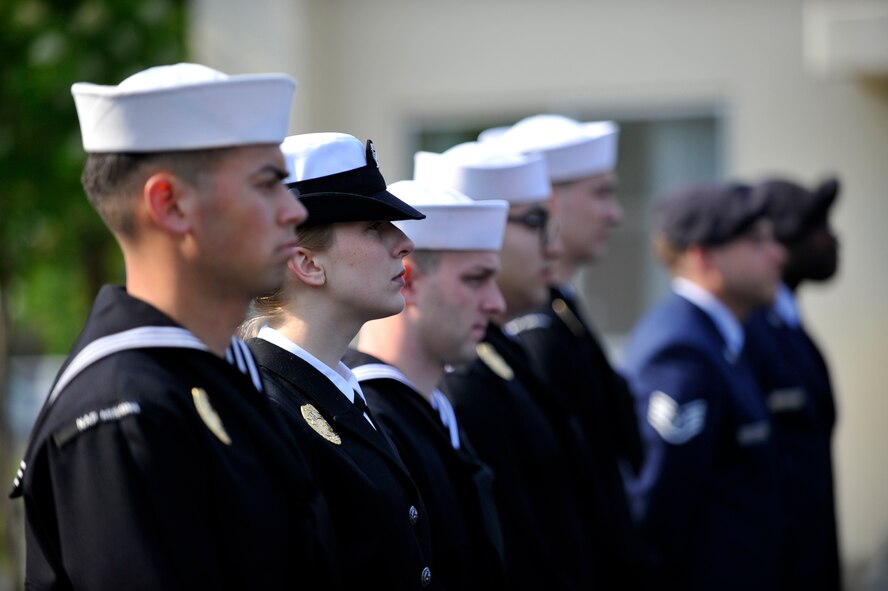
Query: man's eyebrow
[
  {"x": 277, "y": 171},
  {"x": 609, "y": 187},
  {"x": 482, "y": 270}
]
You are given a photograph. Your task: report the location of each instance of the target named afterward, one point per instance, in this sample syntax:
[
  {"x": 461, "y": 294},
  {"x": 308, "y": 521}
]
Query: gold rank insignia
[
  {"x": 317, "y": 422},
  {"x": 208, "y": 415},
  {"x": 567, "y": 316},
  {"x": 494, "y": 361}
]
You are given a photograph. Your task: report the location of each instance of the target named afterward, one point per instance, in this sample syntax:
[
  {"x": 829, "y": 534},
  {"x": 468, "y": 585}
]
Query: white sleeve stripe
[
  {"x": 251, "y": 365},
  {"x": 376, "y": 371},
  {"x": 238, "y": 355}
]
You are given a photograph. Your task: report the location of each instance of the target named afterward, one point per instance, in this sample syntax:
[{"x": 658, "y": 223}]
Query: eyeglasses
[{"x": 536, "y": 219}]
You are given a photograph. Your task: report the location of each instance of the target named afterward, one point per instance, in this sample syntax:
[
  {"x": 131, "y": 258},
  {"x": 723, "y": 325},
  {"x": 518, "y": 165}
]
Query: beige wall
[{"x": 371, "y": 68}]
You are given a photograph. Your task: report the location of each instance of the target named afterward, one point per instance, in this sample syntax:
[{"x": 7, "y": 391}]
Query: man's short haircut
[
  {"x": 113, "y": 181},
  {"x": 426, "y": 261}
]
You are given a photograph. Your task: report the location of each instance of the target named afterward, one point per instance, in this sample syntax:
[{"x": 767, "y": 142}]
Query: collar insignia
[
  {"x": 208, "y": 415},
  {"x": 567, "y": 316},
  {"x": 317, "y": 422},
  {"x": 494, "y": 361}
]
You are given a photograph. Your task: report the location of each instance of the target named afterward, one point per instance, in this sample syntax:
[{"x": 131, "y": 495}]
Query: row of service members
[{"x": 373, "y": 502}]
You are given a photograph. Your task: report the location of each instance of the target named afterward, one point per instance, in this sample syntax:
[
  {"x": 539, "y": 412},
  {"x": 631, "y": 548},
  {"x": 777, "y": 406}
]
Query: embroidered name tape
[
  {"x": 786, "y": 399},
  {"x": 753, "y": 433},
  {"x": 89, "y": 420}
]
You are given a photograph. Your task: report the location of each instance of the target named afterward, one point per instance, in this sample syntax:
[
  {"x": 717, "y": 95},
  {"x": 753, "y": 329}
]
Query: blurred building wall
[{"x": 383, "y": 68}]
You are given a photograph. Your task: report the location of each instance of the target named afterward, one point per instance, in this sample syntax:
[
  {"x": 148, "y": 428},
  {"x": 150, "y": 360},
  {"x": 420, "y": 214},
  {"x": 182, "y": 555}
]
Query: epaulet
[{"x": 527, "y": 322}]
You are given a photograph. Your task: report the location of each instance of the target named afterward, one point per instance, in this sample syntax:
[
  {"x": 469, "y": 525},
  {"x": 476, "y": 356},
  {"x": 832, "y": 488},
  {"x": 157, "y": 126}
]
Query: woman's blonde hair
[{"x": 268, "y": 308}]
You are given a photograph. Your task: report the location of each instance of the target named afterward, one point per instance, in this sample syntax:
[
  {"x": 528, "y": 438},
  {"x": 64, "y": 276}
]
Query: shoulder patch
[
  {"x": 527, "y": 322},
  {"x": 91, "y": 419},
  {"x": 676, "y": 424}
]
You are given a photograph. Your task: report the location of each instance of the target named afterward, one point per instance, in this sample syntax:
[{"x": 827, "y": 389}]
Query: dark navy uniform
[
  {"x": 518, "y": 429},
  {"x": 563, "y": 348},
  {"x": 796, "y": 384},
  {"x": 165, "y": 468},
  {"x": 380, "y": 524},
  {"x": 455, "y": 485},
  {"x": 708, "y": 496}
]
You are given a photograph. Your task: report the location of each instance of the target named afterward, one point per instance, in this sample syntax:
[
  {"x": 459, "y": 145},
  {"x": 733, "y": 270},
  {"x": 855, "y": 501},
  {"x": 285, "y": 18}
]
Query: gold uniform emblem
[
  {"x": 567, "y": 316},
  {"x": 317, "y": 422},
  {"x": 494, "y": 361},
  {"x": 208, "y": 415}
]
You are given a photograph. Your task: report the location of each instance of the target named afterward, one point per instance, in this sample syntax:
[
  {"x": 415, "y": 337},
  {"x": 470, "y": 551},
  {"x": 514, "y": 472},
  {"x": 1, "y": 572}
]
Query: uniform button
[
  {"x": 413, "y": 515},
  {"x": 426, "y": 576}
]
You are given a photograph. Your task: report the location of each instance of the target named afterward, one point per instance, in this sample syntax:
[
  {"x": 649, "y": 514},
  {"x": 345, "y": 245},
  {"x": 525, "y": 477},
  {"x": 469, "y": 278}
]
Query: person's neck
[
  {"x": 565, "y": 270},
  {"x": 321, "y": 332},
  {"x": 792, "y": 282},
  {"x": 211, "y": 318},
  {"x": 392, "y": 341},
  {"x": 739, "y": 308}
]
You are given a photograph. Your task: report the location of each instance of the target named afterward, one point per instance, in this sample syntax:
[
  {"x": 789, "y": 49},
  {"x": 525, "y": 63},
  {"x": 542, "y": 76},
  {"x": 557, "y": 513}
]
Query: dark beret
[
  {"x": 707, "y": 214},
  {"x": 794, "y": 209}
]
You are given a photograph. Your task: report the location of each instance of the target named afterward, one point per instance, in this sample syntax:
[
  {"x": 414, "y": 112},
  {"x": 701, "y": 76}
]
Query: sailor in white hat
[
  {"x": 530, "y": 243},
  {"x": 450, "y": 295},
  {"x": 348, "y": 269},
  {"x": 581, "y": 159},
  {"x": 155, "y": 461},
  {"x": 503, "y": 406}
]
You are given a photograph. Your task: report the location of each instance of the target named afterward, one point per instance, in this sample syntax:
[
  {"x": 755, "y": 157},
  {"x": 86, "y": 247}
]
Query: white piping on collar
[{"x": 439, "y": 402}]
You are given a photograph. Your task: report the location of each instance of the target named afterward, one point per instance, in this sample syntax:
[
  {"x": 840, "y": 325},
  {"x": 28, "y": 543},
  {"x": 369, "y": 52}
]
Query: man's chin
[
  {"x": 463, "y": 357},
  {"x": 269, "y": 286}
]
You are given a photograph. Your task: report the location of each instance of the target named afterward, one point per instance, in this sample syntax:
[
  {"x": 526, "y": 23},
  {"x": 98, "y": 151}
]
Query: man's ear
[
  {"x": 306, "y": 267},
  {"x": 700, "y": 257},
  {"x": 168, "y": 201},
  {"x": 410, "y": 276}
]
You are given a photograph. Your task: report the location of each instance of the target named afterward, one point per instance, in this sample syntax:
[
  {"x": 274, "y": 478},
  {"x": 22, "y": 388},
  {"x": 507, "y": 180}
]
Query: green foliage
[{"x": 54, "y": 249}]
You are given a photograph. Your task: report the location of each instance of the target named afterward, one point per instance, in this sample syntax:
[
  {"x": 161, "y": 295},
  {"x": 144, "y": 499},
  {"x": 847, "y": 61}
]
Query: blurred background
[{"x": 702, "y": 90}]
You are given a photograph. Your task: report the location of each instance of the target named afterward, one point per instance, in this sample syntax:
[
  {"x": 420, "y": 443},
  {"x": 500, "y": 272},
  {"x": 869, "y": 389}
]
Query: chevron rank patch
[{"x": 676, "y": 423}]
